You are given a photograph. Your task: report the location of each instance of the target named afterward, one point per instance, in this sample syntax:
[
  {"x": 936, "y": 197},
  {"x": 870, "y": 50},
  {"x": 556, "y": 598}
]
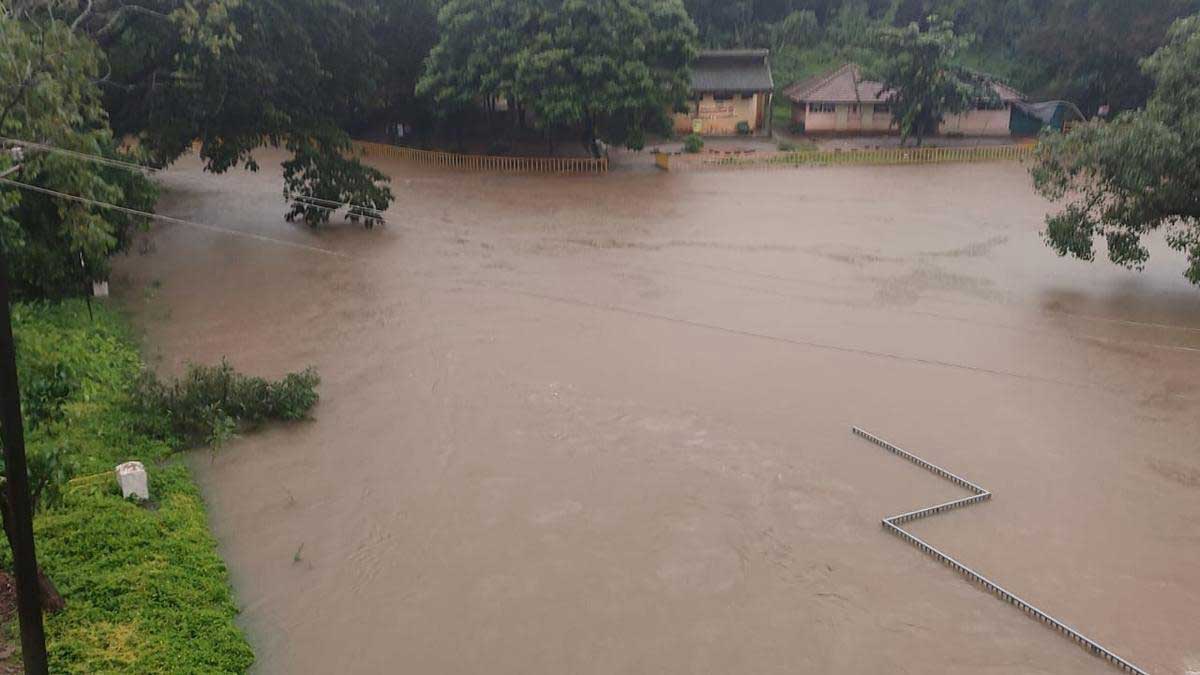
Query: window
[
  {"x": 722, "y": 97},
  {"x": 822, "y": 107},
  {"x": 883, "y": 109},
  {"x": 854, "y": 108}
]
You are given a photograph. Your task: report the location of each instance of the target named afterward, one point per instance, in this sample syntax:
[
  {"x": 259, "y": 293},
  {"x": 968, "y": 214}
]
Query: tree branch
[
  {"x": 83, "y": 15},
  {"x": 128, "y": 9}
]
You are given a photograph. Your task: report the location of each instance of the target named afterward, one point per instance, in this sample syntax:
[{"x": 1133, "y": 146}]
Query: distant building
[
  {"x": 841, "y": 101},
  {"x": 729, "y": 86}
]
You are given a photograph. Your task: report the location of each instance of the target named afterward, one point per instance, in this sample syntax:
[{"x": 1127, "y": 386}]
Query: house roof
[
  {"x": 846, "y": 85},
  {"x": 732, "y": 70}
]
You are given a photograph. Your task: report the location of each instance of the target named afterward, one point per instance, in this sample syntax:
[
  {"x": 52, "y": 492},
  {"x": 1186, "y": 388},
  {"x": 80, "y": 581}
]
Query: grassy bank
[{"x": 145, "y": 589}]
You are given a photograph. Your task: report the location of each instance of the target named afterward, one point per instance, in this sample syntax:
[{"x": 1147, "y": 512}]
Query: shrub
[
  {"x": 743, "y": 128},
  {"x": 693, "y": 143},
  {"x": 787, "y": 146},
  {"x": 145, "y": 589},
  {"x": 209, "y": 404},
  {"x": 796, "y": 128}
]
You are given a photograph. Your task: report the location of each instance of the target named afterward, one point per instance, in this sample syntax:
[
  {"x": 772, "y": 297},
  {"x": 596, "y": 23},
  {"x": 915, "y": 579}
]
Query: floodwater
[{"x": 601, "y": 424}]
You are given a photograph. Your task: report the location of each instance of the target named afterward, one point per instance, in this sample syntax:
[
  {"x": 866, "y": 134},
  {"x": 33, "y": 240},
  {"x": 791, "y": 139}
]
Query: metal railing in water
[
  {"x": 878, "y": 156},
  {"x": 893, "y": 523},
  {"x": 493, "y": 163}
]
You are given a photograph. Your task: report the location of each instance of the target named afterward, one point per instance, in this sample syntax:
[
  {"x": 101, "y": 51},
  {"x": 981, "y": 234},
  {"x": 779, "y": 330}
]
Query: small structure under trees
[{"x": 731, "y": 92}]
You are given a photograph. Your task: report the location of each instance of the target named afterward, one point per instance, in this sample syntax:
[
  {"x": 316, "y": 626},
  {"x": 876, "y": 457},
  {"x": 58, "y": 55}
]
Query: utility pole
[{"x": 20, "y": 509}]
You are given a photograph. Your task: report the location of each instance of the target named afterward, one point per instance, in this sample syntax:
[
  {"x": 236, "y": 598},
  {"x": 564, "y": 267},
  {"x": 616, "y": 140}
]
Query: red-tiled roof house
[{"x": 843, "y": 102}]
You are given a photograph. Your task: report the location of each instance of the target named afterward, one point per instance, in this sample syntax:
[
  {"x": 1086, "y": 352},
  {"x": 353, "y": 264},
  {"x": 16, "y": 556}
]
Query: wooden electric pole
[{"x": 20, "y": 509}]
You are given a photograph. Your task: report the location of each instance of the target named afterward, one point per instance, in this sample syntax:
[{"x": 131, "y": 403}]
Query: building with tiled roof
[
  {"x": 729, "y": 86},
  {"x": 841, "y": 101}
]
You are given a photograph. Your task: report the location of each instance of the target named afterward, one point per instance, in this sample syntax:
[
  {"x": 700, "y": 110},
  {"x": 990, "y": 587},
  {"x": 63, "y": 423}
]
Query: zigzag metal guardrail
[{"x": 893, "y": 523}]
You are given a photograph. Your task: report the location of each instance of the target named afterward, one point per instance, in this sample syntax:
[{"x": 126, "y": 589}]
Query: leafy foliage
[
  {"x": 693, "y": 143},
  {"x": 316, "y": 179},
  {"x": 920, "y": 79},
  {"x": 210, "y": 403},
  {"x": 146, "y": 591},
  {"x": 57, "y": 247},
  {"x": 612, "y": 70},
  {"x": 172, "y": 72},
  {"x": 220, "y": 76},
  {"x": 1138, "y": 174},
  {"x": 1089, "y": 51}
]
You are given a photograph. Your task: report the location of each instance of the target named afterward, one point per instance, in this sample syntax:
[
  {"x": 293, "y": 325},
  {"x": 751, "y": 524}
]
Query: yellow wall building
[{"x": 728, "y": 86}]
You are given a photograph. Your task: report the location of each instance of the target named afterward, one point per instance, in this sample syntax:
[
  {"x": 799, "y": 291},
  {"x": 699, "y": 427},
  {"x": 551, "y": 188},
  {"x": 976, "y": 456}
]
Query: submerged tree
[
  {"x": 920, "y": 78},
  {"x": 1138, "y": 174},
  {"x": 174, "y": 72},
  {"x": 240, "y": 74}
]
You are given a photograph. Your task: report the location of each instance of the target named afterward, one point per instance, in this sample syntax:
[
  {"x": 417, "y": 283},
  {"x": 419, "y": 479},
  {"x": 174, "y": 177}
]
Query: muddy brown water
[{"x": 601, "y": 424}]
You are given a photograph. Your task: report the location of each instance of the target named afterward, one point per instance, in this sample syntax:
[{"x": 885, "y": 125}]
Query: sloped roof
[
  {"x": 846, "y": 85},
  {"x": 732, "y": 70}
]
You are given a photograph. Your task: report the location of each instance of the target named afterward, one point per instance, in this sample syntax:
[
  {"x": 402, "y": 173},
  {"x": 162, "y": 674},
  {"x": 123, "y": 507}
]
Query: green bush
[
  {"x": 693, "y": 143},
  {"x": 145, "y": 589},
  {"x": 743, "y": 128},
  {"x": 796, "y": 128},
  {"x": 211, "y": 403},
  {"x": 787, "y": 146}
]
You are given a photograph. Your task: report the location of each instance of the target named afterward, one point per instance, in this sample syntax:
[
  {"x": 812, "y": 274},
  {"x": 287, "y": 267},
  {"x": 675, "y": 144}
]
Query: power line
[
  {"x": 169, "y": 219},
  {"x": 333, "y": 205},
  {"x": 99, "y": 159}
]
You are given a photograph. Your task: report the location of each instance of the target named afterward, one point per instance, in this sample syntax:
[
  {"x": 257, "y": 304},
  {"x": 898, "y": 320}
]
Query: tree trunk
[
  {"x": 52, "y": 601},
  {"x": 589, "y": 136}
]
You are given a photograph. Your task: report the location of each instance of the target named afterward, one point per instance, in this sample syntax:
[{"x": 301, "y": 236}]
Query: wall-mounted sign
[{"x": 715, "y": 110}]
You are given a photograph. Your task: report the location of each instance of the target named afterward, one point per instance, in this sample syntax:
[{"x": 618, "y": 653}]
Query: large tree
[
  {"x": 56, "y": 247},
  {"x": 611, "y": 70},
  {"x": 1136, "y": 175},
  {"x": 920, "y": 77},
  {"x": 236, "y": 75}
]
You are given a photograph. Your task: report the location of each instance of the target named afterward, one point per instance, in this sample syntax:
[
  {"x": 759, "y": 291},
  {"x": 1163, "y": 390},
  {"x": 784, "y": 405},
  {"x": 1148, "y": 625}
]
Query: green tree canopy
[
  {"x": 47, "y": 93},
  {"x": 1138, "y": 174},
  {"x": 1090, "y": 51},
  {"x": 920, "y": 77},
  {"x": 232, "y": 74},
  {"x": 610, "y": 69}
]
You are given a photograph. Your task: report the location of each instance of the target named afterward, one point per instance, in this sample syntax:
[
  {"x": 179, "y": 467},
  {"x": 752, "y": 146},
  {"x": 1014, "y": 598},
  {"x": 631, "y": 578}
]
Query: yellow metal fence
[
  {"x": 452, "y": 160},
  {"x": 700, "y": 161}
]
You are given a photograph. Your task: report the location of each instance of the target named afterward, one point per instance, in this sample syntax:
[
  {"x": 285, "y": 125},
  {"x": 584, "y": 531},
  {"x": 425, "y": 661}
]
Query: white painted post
[{"x": 132, "y": 478}]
